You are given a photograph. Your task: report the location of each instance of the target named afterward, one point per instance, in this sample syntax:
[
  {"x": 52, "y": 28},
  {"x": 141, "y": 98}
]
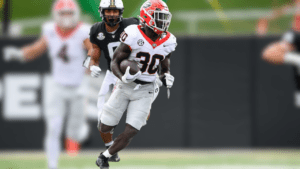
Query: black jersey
[
  {"x": 293, "y": 38},
  {"x": 108, "y": 42}
]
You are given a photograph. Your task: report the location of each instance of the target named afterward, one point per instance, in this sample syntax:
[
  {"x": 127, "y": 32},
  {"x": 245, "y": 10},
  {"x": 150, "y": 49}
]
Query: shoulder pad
[
  {"x": 130, "y": 21},
  {"x": 96, "y": 28}
]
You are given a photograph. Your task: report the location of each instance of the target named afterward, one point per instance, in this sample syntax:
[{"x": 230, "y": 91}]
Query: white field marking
[
  {"x": 193, "y": 17},
  {"x": 199, "y": 167}
]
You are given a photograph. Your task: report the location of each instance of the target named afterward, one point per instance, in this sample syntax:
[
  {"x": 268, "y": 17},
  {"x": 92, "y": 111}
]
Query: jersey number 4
[
  {"x": 63, "y": 54},
  {"x": 145, "y": 59}
]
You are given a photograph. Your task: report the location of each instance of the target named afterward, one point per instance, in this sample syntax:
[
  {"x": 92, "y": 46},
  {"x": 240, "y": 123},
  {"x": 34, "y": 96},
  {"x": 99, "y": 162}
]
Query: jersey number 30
[{"x": 145, "y": 58}]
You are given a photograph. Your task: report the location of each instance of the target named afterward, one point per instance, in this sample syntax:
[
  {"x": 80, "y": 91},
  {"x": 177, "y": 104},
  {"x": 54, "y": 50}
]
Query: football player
[
  {"x": 105, "y": 37},
  {"x": 287, "y": 51},
  {"x": 151, "y": 45},
  {"x": 263, "y": 23},
  {"x": 66, "y": 40}
]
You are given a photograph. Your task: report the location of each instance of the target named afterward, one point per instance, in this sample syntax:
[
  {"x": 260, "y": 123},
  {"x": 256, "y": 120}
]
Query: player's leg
[
  {"x": 110, "y": 116},
  {"x": 137, "y": 114},
  {"x": 54, "y": 118},
  {"x": 106, "y": 88},
  {"x": 77, "y": 128}
]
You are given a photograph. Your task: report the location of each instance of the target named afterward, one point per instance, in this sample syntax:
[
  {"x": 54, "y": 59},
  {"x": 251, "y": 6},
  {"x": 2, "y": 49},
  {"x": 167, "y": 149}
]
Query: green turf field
[
  {"x": 164, "y": 159},
  {"x": 223, "y": 24}
]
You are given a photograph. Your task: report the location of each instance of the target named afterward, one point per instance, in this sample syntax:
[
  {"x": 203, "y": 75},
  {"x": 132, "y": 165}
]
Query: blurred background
[{"x": 228, "y": 108}]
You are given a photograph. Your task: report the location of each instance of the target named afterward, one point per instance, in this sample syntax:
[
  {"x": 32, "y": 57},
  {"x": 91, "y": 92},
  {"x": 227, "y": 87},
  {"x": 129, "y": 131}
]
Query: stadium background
[{"x": 228, "y": 109}]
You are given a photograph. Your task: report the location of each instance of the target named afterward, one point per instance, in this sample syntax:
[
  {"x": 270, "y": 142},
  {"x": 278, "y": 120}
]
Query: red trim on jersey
[
  {"x": 129, "y": 48},
  {"x": 66, "y": 35},
  {"x": 158, "y": 41}
]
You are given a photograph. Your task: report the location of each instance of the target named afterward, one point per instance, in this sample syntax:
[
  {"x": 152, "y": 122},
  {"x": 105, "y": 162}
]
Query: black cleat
[
  {"x": 102, "y": 162},
  {"x": 114, "y": 158}
]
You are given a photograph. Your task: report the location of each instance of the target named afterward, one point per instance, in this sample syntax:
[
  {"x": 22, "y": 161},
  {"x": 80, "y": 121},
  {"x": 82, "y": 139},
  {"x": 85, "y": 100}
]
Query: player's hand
[
  {"x": 95, "y": 71},
  {"x": 169, "y": 80},
  {"x": 12, "y": 53},
  {"x": 127, "y": 77}
]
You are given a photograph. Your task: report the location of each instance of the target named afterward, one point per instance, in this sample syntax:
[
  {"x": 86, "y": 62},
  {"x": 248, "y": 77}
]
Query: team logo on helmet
[
  {"x": 147, "y": 4},
  {"x": 101, "y": 36},
  {"x": 140, "y": 42}
]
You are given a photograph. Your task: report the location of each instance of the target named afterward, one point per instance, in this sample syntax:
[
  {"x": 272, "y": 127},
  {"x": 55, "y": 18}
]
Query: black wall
[{"x": 224, "y": 95}]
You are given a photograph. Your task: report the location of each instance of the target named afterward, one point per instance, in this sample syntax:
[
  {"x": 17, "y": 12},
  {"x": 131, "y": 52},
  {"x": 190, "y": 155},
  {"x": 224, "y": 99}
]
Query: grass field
[
  {"x": 164, "y": 159},
  {"x": 42, "y": 9}
]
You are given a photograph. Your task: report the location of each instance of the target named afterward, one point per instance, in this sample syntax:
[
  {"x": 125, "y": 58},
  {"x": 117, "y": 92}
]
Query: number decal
[
  {"x": 112, "y": 47},
  {"x": 154, "y": 64},
  {"x": 63, "y": 54},
  {"x": 124, "y": 35},
  {"x": 145, "y": 58}
]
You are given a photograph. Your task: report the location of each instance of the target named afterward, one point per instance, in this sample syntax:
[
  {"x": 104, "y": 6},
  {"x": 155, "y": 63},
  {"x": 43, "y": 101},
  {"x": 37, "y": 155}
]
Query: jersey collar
[
  {"x": 157, "y": 42},
  {"x": 65, "y": 36}
]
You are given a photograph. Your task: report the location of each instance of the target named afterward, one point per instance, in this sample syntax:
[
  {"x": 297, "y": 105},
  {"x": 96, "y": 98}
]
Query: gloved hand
[
  {"x": 127, "y": 77},
  {"x": 169, "y": 80},
  {"x": 95, "y": 71},
  {"x": 12, "y": 53}
]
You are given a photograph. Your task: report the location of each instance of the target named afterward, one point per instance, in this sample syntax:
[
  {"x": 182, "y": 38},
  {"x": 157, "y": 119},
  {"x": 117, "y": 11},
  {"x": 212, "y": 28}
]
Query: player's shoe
[
  {"x": 102, "y": 162},
  {"x": 72, "y": 147},
  {"x": 114, "y": 158}
]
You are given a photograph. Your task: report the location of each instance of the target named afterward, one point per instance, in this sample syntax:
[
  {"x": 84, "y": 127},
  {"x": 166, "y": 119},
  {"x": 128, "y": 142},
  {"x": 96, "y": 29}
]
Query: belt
[{"x": 141, "y": 82}]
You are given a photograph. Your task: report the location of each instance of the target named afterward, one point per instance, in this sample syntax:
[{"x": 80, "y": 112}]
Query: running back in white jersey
[
  {"x": 66, "y": 53},
  {"x": 150, "y": 53}
]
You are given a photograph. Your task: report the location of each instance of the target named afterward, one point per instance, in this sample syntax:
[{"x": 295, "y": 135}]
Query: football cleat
[
  {"x": 114, "y": 158},
  {"x": 102, "y": 162}
]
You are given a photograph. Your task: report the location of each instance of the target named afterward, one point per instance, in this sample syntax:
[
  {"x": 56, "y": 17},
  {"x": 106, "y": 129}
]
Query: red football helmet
[
  {"x": 66, "y": 6},
  {"x": 155, "y": 14}
]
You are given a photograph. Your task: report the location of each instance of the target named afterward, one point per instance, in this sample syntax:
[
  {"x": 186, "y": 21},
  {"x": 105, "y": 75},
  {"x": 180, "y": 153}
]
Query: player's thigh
[
  {"x": 114, "y": 108},
  {"x": 76, "y": 116},
  {"x": 55, "y": 103},
  {"x": 156, "y": 92},
  {"x": 138, "y": 112}
]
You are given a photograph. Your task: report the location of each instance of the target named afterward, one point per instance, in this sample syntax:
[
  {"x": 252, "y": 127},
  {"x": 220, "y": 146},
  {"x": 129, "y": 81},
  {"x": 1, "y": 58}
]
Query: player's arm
[
  {"x": 94, "y": 53},
  {"x": 27, "y": 53},
  {"x": 165, "y": 76},
  {"x": 122, "y": 52},
  {"x": 280, "y": 53}
]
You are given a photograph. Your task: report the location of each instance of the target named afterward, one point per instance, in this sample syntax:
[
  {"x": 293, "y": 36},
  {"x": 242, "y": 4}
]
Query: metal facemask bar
[{"x": 162, "y": 19}]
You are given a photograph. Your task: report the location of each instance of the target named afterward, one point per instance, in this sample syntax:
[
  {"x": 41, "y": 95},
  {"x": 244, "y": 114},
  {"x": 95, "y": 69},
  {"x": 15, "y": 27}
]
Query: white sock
[
  {"x": 109, "y": 144},
  {"x": 106, "y": 154}
]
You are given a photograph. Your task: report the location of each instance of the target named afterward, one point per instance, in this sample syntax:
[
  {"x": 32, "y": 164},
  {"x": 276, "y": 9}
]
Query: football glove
[
  {"x": 168, "y": 80},
  {"x": 12, "y": 53},
  {"x": 95, "y": 71},
  {"x": 127, "y": 77}
]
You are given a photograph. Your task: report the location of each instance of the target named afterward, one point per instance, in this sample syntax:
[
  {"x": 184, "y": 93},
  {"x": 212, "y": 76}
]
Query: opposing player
[
  {"x": 287, "y": 51},
  {"x": 64, "y": 39},
  {"x": 150, "y": 45}
]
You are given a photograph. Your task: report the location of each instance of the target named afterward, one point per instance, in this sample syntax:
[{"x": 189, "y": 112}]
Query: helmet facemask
[
  {"x": 162, "y": 20},
  {"x": 111, "y": 20}
]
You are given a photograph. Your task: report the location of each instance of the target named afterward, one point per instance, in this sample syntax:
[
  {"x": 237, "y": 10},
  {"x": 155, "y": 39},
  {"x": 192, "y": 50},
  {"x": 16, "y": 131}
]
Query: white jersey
[
  {"x": 150, "y": 53},
  {"x": 66, "y": 53}
]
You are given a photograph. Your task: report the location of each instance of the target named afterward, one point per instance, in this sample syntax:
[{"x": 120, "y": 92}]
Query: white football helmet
[
  {"x": 111, "y": 4},
  {"x": 68, "y": 21}
]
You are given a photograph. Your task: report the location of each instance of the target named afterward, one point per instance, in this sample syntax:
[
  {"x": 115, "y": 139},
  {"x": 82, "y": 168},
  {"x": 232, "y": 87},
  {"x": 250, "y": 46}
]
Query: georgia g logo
[{"x": 147, "y": 4}]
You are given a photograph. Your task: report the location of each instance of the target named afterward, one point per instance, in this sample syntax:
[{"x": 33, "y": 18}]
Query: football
[{"x": 134, "y": 68}]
